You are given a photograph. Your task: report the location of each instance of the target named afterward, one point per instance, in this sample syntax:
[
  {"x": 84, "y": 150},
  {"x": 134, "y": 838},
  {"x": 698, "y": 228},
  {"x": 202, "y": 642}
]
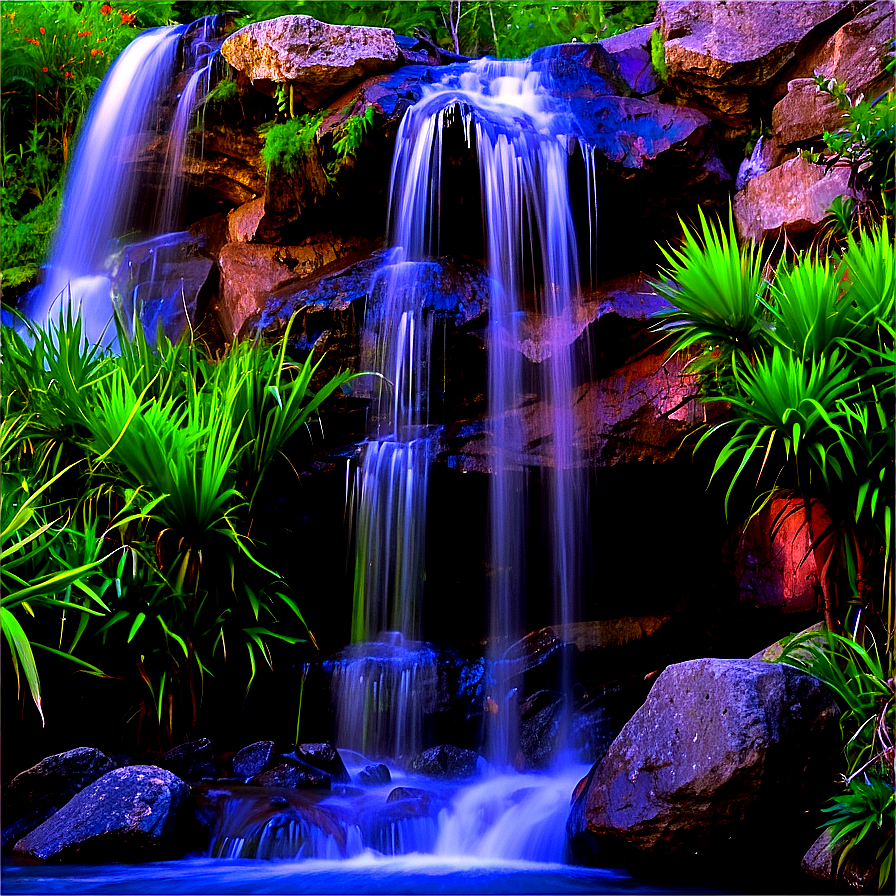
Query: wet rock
[
  {"x": 722, "y": 756},
  {"x": 630, "y": 51},
  {"x": 180, "y": 298},
  {"x": 793, "y": 198},
  {"x": 33, "y": 795},
  {"x": 541, "y": 715},
  {"x": 254, "y": 759},
  {"x": 722, "y": 52},
  {"x": 315, "y": 58},
  {"x": 251, "y": 272},
  {"x": 325, "y": 757},
  {"x": 244, "y": 221},
  {"x": 375, "y": 774},
  {"x": 774, "y": 561},
  {"x": 191, "y": 761},
  {"x": 858, "y": 873},
  {"x": 402, "y": 826},
  {"x": 445, "y": 761},
  {"x": 410, "y": 793},
  {"x": 299, "y": 777},
  {"x": 230, "y": 169},
  {"x": 129, "y": 814}
]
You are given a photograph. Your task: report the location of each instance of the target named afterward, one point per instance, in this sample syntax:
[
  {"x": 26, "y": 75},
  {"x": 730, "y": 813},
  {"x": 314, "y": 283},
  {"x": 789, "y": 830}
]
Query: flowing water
[
  {"x": 108, "y": 190},
  {"x": 520, "y": 135}
]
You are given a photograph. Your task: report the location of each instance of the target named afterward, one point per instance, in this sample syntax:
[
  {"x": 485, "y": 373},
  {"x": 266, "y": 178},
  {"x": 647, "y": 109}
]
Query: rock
[
  {"x": 375, "y": 774},
  {"x": 805, "y": 113},
  {"x": 191, "y": 761},
  {"x": 410, "y": 793},
  {"x": 631, "y": 53},
  {"x": 774, "y": 561},
  {"x": 251, "y": 272},
  {"x": 445, "y": 761},
  {"x": 129, "y": 814},
  {"x": 299, "y": 777},
  {"x": 325, "y": 757},
  {"x": 316, "y": 58},
  {"x": 541, "y": 715},
  {"x": 244, "y": 221},
  {"x": 857, "y": 874},
  {"x": 254, "y": 759},
  {"x": 33, "y": 795},
  {"x": 855, "y": 54},
  {"x": 723, "y": 52},
  {"x": 793, "y": 198},
  {"x": 771, "y": 653},
  {"x": 723, "y": 755}
]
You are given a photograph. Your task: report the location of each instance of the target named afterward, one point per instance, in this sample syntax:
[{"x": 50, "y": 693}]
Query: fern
[
  {"x": 287, "y": 144},
  {"x": 351, "y": 136}
]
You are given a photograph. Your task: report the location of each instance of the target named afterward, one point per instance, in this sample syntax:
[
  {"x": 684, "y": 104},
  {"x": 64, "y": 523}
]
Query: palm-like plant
[{"x": 715, "y": 287}]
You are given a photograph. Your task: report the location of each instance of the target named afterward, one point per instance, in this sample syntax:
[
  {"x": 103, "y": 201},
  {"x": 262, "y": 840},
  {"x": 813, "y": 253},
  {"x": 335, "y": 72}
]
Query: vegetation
[
  {"x": 803, "y": 355},
  {"x": 864, "y": 812},
  {"x": 130, "y": 485}
]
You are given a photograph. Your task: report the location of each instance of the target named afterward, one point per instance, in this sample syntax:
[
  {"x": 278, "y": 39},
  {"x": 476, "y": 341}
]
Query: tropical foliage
[
  {"x": 130, "y": 485},
  {"x": 864, "y": 812}
]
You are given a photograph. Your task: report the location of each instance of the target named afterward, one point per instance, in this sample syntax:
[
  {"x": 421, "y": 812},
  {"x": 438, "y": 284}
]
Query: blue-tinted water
[{"x": 366, "y": 873}]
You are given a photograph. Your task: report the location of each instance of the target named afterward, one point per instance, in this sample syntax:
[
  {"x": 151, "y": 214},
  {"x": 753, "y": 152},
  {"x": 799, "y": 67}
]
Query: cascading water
[
  {"x": 520, "y": 136},
  {"x": 107, "y": 192}
]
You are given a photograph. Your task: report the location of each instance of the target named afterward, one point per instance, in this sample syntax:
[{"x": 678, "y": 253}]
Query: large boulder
[
  {"x": 792, "y": 198},
  {"x": 129, "y": 814},
  {"x": 723, "y": 756},
  {"x": 722, "y": 53},
  {"x": 316, "y": 58},
  {"x": 33, "y": 795}
]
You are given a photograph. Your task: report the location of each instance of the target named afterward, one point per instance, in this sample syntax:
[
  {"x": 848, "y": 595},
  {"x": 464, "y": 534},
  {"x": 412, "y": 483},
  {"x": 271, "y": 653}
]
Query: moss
[{"x": 658, "y": 54}]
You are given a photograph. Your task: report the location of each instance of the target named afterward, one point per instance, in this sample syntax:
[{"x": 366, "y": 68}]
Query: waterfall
[
  {"x": 107, "y": 193},
  {"x": 519, "y": 132}
]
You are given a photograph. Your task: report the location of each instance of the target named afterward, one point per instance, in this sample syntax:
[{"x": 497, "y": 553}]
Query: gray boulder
[
  {"x": 129, "y": 814},
  {"x": 316, "y": 58},
  {"x": 33, "y": 795},
  {"x": 723, "y": 755},
  {"x": 253, "y": 759},
  {"x": 191, "y": 761}
]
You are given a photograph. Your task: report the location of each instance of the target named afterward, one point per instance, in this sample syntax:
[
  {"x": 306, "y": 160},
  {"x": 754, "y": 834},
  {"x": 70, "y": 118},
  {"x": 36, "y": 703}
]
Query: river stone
[
  {"x": 316, "y": 58},
  {"x": 720, "y": 51},
  {"x": 792, "y": 198},
  {"x": 541, "y": 715},
  {"x": 376, "y": 774},
  {"x": 129, "y": 814},
  {"x": 723, "y": 755},
  {"x": 253, "y": 759},
  {"x": 445, "y": 761},
  {"x": 298, "y": 777},
  {"x": 191, "y": 761},
  {"x": 325, "y": 757},
  {"x": 857, "y": 874},
  {"x": 33, "y": 795}
]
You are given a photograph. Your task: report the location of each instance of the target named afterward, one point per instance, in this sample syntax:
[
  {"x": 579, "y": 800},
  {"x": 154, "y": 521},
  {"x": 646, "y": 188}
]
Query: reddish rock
[
  {"x": 855, "y": 54},
  {"x": 722, "y": 51},
  {"x": 243, "y": 222},
  {"x": 316, "y": 58},
  {"x": 774, "y": 561},
  {"x": 251, "y": 272},
  {"x": 793, "y": 198}
]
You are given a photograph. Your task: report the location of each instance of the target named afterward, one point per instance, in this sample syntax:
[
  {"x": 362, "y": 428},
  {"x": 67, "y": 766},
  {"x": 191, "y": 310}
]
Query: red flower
[
  {"x": 94, "y": 51},
  {"x": 42, "y": 31},
  {"x": 127, "y": 18},
  {"x": 45, "y": 69},
  {"x": 105, "y": 9}
]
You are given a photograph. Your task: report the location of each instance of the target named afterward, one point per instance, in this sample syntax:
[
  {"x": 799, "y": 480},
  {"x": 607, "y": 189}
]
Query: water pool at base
[{"x": 368, "y": 874}]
